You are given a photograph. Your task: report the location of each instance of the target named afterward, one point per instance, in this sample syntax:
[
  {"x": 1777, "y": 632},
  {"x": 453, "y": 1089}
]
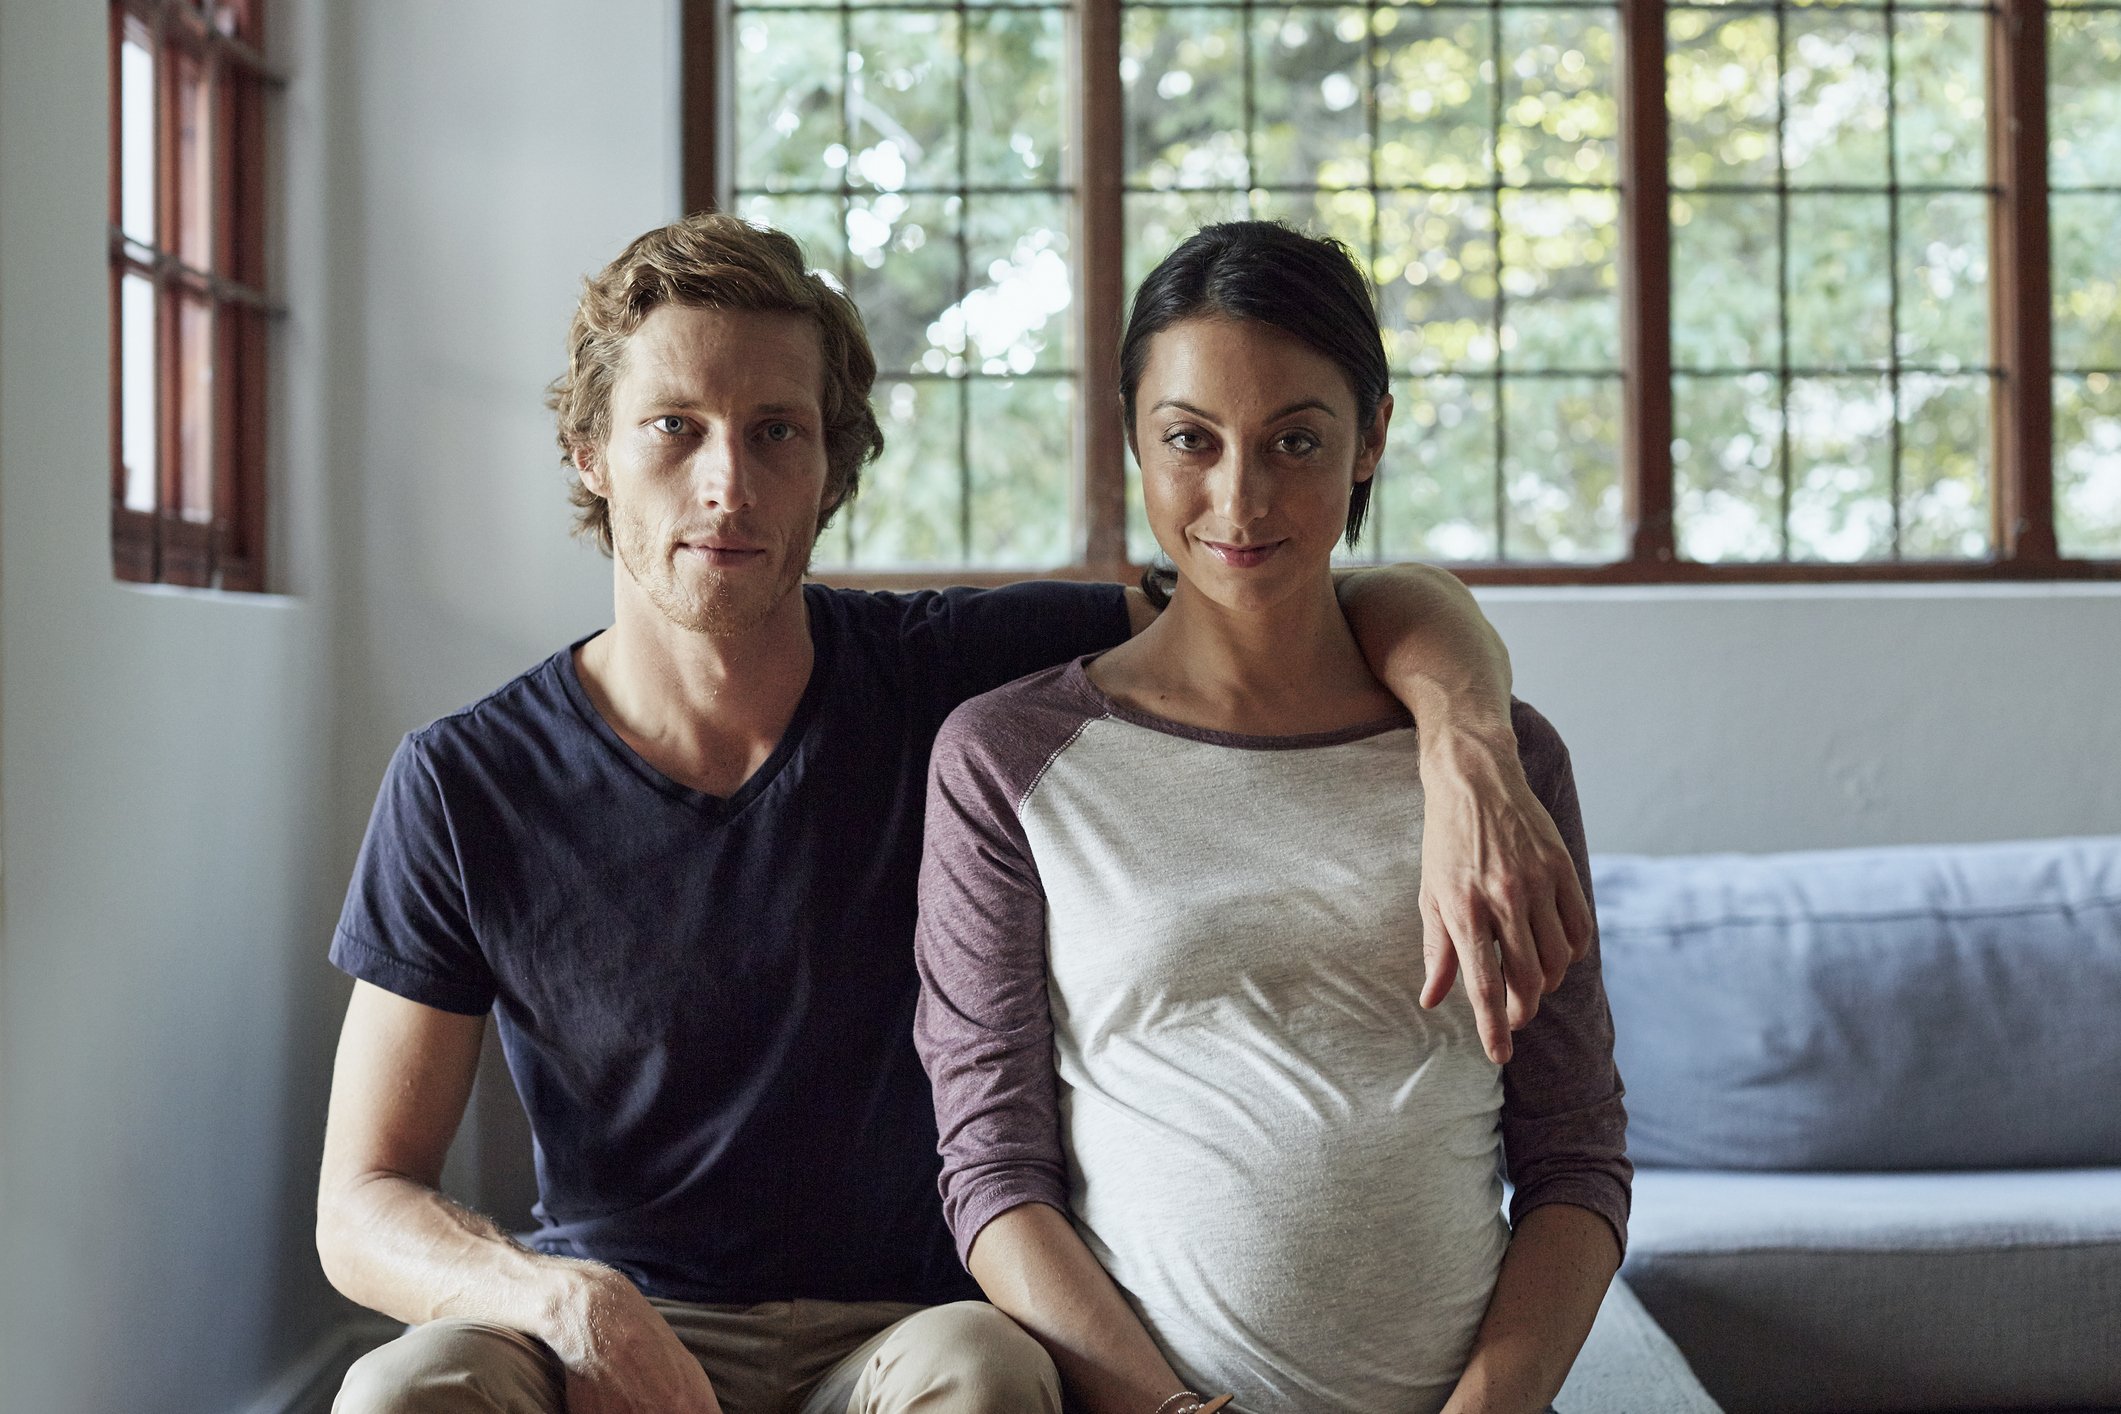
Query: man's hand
[
  {"x": 1493, "y": 872},
  {"x": 1493, "y": 868},
  {"x": 622, "y": 1357},
  {"x": 391, "y": 1241}
]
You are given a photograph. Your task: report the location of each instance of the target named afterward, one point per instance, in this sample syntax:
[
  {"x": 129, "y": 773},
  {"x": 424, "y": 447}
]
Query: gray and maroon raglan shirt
[{"x": 1170, "y": 986}]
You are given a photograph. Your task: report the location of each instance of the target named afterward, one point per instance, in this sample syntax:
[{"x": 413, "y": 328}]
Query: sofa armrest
[{"x": 1630, "y": 1366}]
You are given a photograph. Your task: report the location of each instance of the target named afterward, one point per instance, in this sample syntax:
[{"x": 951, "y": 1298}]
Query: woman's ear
[{"x": 1373, "y": 441}]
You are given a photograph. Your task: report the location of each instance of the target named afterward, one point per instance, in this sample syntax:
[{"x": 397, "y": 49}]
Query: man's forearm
[
  {"x": 1427, "y": 641},
  {"x": 401, "y": 1248},
  {"x": 1555, "y": 1274}
]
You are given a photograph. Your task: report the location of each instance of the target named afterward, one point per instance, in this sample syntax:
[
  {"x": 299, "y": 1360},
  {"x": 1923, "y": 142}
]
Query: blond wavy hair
[{"x": 712, "y": 261}]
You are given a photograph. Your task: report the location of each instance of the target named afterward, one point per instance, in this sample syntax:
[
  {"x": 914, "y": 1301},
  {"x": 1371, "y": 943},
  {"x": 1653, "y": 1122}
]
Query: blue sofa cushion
[
  {"x": 1906, "y": 1008},
  {"x": 1804, "y": 1293}
]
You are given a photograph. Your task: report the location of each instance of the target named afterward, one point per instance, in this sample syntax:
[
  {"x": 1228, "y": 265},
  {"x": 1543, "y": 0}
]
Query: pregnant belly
[{"x": 1345, "y": 1271}]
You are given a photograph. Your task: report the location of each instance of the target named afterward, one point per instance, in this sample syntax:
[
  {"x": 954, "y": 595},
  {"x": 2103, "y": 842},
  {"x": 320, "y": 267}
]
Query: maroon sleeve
[
  {"x": 1564, "y": 1131},
  {"x": 983, "y": 1027}
]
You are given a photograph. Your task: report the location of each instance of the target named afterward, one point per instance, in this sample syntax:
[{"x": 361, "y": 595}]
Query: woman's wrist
[{"x": 1187, "y": 1402}]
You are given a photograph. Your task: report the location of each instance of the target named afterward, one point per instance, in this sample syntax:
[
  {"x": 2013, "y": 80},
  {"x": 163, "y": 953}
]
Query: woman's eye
[
  {"x": 669, "y": 424},
  {"x": 1297, "y": 443},
  {"x": 1185, "y": 439}
]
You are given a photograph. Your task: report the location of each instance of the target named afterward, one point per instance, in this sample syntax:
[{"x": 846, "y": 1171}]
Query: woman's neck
[{"x": 1276, "y": 670}]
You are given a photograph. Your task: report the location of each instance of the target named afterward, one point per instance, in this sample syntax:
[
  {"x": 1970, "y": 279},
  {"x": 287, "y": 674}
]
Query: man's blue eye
[{"x": 670, "y": 424}]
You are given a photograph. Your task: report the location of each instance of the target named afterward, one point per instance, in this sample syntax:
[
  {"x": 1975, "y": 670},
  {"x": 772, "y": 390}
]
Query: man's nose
[{"x": 722, "y": 477}]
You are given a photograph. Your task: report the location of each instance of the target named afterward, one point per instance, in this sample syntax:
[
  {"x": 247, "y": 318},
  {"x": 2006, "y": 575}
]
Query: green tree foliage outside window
[{"x": 1830, "y": 208}]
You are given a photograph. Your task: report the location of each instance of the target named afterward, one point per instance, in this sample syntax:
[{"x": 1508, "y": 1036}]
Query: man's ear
[
  {"x": 827, "y": 510},
  {"x": 591, "y": 470}
]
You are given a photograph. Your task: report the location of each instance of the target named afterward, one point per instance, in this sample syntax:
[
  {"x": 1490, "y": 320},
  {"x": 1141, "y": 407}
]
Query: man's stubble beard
[{"x": 721, "y": 609}]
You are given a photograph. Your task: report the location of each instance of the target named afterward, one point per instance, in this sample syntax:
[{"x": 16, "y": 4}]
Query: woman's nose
[{"x": 1239, "y": 487}]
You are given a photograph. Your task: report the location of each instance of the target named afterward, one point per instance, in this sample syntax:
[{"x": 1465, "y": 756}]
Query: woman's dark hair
[{"x": 1308, "y": 287}]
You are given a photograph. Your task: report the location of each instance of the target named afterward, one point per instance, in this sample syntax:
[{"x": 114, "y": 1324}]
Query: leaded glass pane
[
  {"x": 1435, "y": 279},
  {"x": 1720, "y": 95},
  {"x": 1560, "y": 469},
  {"x": 1726, "y": 282},
  {"x": 1435, "y": 495},
  {"x": 1841, "y": 472},
  {"x": 908, "y": 510},
  {"x": 1727, "y": 468},
  {"x": 1183, "y": 72},
  {"x": 1944, "y": 472},
  {"x": 1309, "y": 72},
  {"x": 2084, "y": 99},
  {"x": 2088, "y": 466},
  {"x": 2087, "y": 280},
  {"x": 1021, "y": 446}
]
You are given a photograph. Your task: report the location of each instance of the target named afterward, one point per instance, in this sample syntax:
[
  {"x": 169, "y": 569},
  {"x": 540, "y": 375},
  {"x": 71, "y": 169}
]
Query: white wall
[
  {"x": 165, "y": 824},
  {"x": 1766, "y": 719}
]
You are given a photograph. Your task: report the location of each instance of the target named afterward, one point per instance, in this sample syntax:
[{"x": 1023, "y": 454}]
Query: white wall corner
[{"x": 309, "y": 1385}]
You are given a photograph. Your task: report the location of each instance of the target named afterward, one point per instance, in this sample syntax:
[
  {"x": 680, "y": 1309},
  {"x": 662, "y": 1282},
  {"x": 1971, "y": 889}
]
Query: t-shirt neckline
[
  {"x": 1078, "y": 677},
  {"x": 721, "y": 807}
]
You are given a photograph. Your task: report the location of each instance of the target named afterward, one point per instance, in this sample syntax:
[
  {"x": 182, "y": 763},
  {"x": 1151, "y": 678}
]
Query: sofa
[{"x": 1874, "y": 1103}]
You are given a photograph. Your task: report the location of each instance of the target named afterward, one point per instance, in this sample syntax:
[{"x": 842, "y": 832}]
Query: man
[{"x": 678, "y": 860}]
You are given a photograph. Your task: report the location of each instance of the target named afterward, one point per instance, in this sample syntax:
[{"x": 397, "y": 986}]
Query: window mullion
[
  {"x": 700, "y": 124},
  {"x": 1645, "y": 287},
  {"x": 168, "y": 402},
  {"x": 2022, "y": 310},
  {"x": 1100, "y": 244}
]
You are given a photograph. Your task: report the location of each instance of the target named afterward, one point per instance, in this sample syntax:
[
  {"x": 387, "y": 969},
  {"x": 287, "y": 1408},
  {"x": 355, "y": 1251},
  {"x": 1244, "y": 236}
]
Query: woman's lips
[{"x": 1242, "y": 556}]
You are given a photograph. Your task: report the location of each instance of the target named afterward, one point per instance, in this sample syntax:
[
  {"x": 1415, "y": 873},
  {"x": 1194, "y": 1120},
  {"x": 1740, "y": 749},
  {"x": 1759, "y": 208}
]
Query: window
[
  {"x": 1687, "y": 290},
  {"x": 190, "y": 317}
]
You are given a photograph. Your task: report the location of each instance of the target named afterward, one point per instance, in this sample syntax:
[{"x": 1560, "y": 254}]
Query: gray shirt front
[{"x": 1170, "y": 983}]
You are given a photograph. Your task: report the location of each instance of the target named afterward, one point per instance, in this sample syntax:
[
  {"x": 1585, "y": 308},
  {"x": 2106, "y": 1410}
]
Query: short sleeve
[
  {"x": 1564, "y": 1128},
  {"x": 990, "y": 637},
  {"x": 405, "y": 927}
]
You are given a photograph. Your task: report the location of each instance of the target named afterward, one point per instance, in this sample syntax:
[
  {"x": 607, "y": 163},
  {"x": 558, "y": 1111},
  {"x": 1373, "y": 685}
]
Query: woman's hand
[
  {"x": 1035, "y": 1268},
  {"x": 1501, "y": 903},
  {"x": 1554, "y": 1276}
]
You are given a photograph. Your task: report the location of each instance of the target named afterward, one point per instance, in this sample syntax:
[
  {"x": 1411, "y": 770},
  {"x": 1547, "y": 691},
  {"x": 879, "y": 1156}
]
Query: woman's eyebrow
[{"x": 1307, "y": 405}]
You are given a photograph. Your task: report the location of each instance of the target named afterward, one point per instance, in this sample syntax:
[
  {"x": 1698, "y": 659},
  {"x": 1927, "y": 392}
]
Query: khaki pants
[{"x": 785, "y": 1357}]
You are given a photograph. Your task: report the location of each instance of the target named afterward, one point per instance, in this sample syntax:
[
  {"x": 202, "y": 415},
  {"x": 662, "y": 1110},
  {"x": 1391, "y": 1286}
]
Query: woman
[{"x": 1199, "y": 1135}]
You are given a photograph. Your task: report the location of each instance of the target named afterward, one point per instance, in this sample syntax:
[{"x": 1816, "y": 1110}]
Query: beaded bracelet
[{"x": 1198, "y": 1406}]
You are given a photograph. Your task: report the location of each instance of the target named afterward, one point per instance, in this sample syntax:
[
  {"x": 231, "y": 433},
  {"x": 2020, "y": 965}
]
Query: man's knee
[
  {"x": 965, "y": 1358},
  {"x": 453, "y": 1367}
]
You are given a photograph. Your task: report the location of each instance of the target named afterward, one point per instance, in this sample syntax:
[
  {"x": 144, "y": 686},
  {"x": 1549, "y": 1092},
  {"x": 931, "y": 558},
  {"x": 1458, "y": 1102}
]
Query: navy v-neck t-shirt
[{"x": 706, "y": 1003}]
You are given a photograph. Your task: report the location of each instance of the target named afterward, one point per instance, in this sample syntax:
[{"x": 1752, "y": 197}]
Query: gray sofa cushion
[
  {"x": 1629, "y": 1366},
  {"x": 1816, "y": 1292},
  {"x": 1931, "y": 1007}
]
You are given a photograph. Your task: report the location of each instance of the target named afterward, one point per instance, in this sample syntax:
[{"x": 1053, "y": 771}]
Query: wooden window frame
[
  {"x": 163, "y": 546},
  {"x": 2022, "y": 532}
]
